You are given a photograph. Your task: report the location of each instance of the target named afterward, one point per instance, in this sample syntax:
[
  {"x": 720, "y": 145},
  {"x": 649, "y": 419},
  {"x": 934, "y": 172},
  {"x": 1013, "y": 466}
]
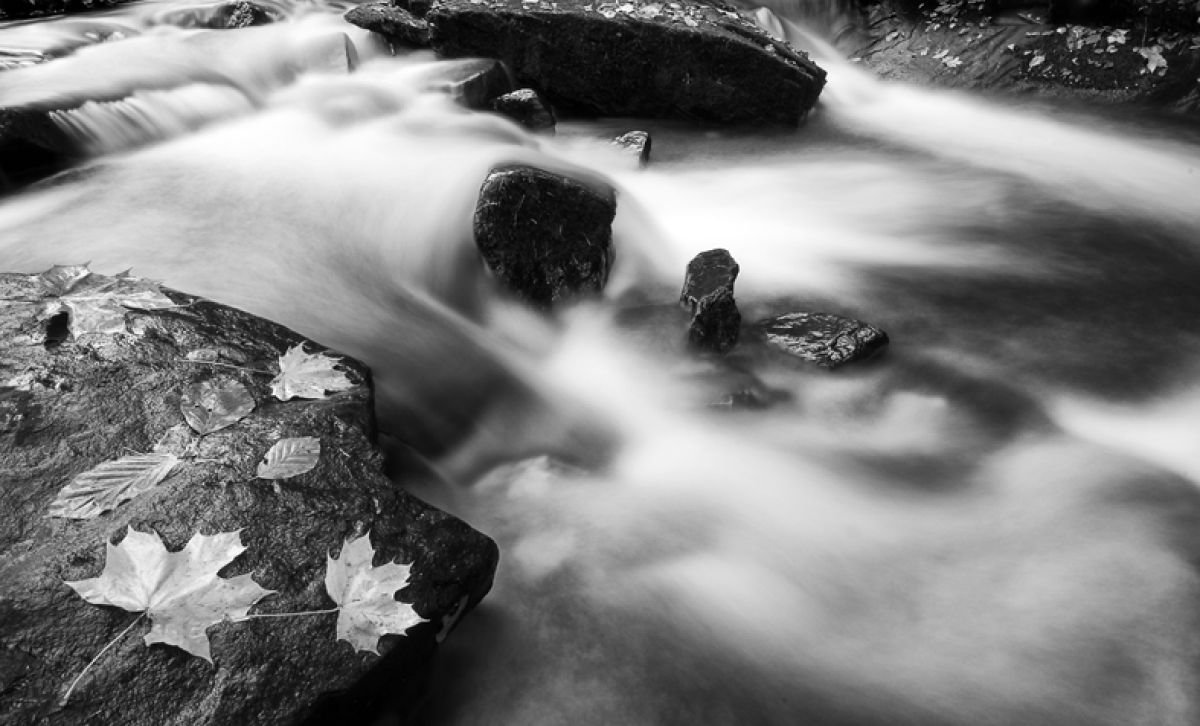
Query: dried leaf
[
  {"x": 210, "y": 405},
  {"x": 1036, "y": 61},
  {"x": 289, "y": 458},
  {"x": 307, "y": 375},
  {"x": 179, "y": 591},
  {"x": 61, "y": 279},
  {"x": 366, "y": 595},
  {"x": 104, "y": 487}
]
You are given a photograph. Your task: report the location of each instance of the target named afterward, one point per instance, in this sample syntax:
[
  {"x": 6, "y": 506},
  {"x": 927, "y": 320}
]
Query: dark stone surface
[
  {"x": 477, "y": 83},
  {"x": 688, "y": 59},
  {"x": 32, "y": 148},
  {"x": 547, "y": 237},
  {"x": 708, "y": 294},
  {"x": 11, "y": 9},
  {"x": 69, "y": 404},
  {"x": 526, "y": 107},
  {"x": 638, "y": 143},
  {"x": 416, "y": 7},
  {"x": 394, "y": 23},
  {"x": 823, "y": 338}
]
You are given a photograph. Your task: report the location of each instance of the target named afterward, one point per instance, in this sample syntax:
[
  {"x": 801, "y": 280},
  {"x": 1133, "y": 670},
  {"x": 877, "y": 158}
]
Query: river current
[{"x": 992, "y": 524}]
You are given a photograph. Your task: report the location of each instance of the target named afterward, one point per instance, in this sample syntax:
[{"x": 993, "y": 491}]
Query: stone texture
[
  {"x": 394, "y": 23},
  {"x": 546, "y": 237},
  {"x": 11, "y": 9},
  {"x": 690, "y": 60},
  {"x": 637, "y": 143},
  {"x": 823, "y": 338},
  {"x": 475, "y": 84},
  {"x": 526, "y": 107},
  {"x": 708, "y": 294},
  {"x": 68, "y": 404}
]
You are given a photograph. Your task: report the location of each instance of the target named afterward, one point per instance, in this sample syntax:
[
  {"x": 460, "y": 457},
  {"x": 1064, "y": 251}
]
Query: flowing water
[{"x": 993, "y": 524}]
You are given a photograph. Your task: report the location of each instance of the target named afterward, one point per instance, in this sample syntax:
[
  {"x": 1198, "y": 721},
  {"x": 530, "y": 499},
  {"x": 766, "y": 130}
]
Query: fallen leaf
[
  {"x": 1036, "y": 60},
  {"x": 61, "y": 279},
  {"x": 952, "y": 61},
  {"x": 307, "y": 375},
  {"x": 1154, "y": 57},
  {"x": 210, "y": 406},
  {"x": 105, "y": 486},
  {"x": 366, "y": 595},
  {"x": 289, "y": 458},
  {"x": 179, "y": 591}
]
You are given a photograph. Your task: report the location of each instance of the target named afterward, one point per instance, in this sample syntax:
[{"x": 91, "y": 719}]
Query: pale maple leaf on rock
[
  {"x": 179, "y": 591},
  {"x": 307, "y": 375},
  {"x": 366, "y": 595}
]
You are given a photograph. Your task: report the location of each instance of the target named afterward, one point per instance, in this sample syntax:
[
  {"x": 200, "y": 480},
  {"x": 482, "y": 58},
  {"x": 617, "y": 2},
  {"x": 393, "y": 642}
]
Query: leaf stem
[
  {"x": 67, "y": 696},
  {"x": 225, "y": 365},
  {"x": 292, "y": 615}
]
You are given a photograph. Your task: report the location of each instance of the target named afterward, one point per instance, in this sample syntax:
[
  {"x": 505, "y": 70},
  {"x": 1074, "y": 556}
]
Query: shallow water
[{"x": 992, "y": 524}]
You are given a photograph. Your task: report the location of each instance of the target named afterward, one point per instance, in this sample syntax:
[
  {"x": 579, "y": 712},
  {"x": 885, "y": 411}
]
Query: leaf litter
[
  {"x": 307, "y": 375},
  {"x": 105, "y": 486},
  {"x": 290, "y": 457}
]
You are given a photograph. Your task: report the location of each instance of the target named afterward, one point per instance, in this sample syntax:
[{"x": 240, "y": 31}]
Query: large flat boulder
[
  {"x": 682, "y": 59},
  {"x": 85, "y": 379}
]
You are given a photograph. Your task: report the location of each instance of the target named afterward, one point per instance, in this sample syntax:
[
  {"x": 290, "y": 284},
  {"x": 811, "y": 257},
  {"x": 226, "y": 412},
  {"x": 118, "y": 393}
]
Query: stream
[{"x": 991, "y": 524}]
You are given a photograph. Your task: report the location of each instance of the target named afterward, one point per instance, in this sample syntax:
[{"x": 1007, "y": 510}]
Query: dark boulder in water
[
  {"x": 32, "y": 147},
  {"x": 526, "y": 107},
  {"x": 637, "y": 143},
  {"x": 823, "y": 338},
  {"x": 546, "y": 237},
  {"x": 12, "y": 9},
  {"x": 72, "y": 399},
  {"x": 700, "y": 61},
  {"x": 394, "y": 23},
  {"x": 708, "y": 294}
]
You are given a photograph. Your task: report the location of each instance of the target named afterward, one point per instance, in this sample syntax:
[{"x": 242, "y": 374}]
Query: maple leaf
[
  {"x": 97, "y": 305},
  {"x": 307, "y": 375},
  {"x": 211, "y": 406},
  {"x": 289, "y": 458},
  {"x": 106, "y": 485},
  {"x": 366, "y": 595},
  {"x": 179, "y": 591},
  {"x": 1153, "y": 56}
]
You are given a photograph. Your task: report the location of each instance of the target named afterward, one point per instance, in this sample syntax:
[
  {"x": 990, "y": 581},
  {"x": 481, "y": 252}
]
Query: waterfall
[{"x": 991, "y": 525}]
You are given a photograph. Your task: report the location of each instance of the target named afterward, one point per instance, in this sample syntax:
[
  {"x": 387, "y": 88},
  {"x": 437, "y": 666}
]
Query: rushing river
[{"x": 995, "y": 523}]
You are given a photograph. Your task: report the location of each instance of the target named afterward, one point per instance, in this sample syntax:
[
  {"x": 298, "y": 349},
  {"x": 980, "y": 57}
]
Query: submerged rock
[
  {"x": 394, "y": 23},
  {"x": 32, "y": 147},
  {"x": 637, "y": 143},
  {"x": 72, "y": 399},
  {"x": 708, "y": 294},
  {"x": 525, "y": 107},
  {"x": 823, "y": 338},
  {"x": 688, "y": 59},
  {"x": 226, "y": 16},
  {"x": 475, "y": 84},
  {"x": 547, "y": 237}
]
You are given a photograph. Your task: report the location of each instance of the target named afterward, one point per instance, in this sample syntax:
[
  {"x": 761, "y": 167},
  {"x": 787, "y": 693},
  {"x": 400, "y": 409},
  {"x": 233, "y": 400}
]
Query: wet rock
[
  {"x": 637, "y": 143},
  {"x": 525, "y": 107},
  {"x": 691, "y": 60},
  {"x": 475, "y": 84},
  {"x": 71, "y": 401},
  {"x": 32, "y": 148},
  {"x": 226, "y": 16},
  {"x": 394, "y": 23},
  {"x": 708, "y": 294},
  {"x": 547, "y": 237},
  {"x": 416, "y": 7},
  {"x": 12, "y": 9},
  {"x": 823, "y": 338}
]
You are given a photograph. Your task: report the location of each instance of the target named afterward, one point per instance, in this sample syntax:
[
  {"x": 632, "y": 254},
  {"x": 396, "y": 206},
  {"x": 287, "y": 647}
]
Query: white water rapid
[{"x": 994, "y": 524}]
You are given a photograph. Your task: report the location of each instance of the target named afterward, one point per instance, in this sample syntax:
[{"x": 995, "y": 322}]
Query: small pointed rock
[
  {"x": 708, "y": 294},
  {"x": 525, "y": 107},
  {"x": 637, "y": 143},
  {"x": 396, "y": 24}
]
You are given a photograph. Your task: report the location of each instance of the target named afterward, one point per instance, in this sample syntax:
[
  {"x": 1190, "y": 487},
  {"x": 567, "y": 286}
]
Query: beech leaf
[
  {"x": 307, "y": 375},
  {"x": 106, "y": 485},
  {"x": 179, "y": 591},
  {"x": 210, "y": 405},
  {"x": 366, "y": 595},
  {"x": 289, "y": 458}
]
